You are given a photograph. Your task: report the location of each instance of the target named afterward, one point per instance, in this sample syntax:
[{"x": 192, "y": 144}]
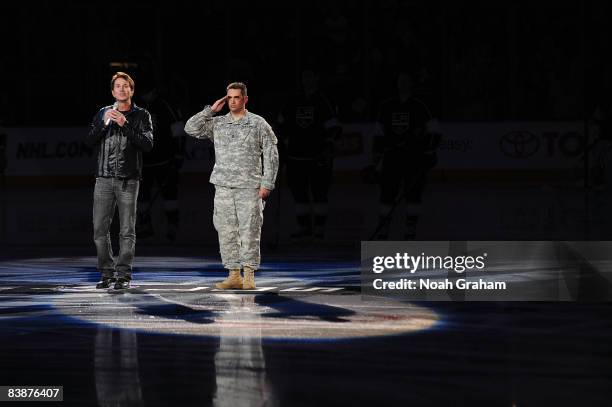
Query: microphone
[{"x": 115, "y": 105}]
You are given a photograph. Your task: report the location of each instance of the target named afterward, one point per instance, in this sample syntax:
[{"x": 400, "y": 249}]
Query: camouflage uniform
[{"x": 246, "y": 158}]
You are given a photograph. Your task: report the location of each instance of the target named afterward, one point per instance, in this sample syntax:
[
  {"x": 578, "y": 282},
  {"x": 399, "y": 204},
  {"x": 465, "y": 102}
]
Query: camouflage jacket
[{"x": 245, "y": 149}]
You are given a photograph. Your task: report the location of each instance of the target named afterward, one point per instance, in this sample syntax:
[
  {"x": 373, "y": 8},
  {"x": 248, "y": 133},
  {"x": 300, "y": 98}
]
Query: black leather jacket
[{"x": 120, "y": 148}]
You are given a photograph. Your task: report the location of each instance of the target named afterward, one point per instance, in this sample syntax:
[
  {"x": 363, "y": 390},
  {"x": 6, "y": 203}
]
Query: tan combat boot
[
  {"x": 249, "y": 279},
  {"x": 233, "y": 280}
]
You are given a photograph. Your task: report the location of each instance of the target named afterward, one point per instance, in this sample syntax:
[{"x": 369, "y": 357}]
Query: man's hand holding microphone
[{"x": 114, "y": 115}]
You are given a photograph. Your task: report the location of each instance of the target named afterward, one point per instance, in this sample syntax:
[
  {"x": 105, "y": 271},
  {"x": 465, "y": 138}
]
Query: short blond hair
[{"x": 122, "y": 75}]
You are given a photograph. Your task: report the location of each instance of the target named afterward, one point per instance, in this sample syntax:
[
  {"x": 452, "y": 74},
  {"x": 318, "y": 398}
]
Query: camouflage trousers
[{"x": 238, "y": 216}]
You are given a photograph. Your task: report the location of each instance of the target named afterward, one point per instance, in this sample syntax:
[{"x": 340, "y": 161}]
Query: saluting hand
[{"x": 218, "y": 105}]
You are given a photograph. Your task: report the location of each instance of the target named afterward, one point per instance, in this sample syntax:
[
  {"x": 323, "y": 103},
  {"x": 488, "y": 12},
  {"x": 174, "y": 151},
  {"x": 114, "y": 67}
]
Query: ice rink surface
[{"x": 306, "y": 337}]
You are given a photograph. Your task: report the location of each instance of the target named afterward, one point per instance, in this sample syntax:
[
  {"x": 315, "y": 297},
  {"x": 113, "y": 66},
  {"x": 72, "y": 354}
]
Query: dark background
[
  {"x": 505, "y": 60},
  {"x": 473, "y": 61}
]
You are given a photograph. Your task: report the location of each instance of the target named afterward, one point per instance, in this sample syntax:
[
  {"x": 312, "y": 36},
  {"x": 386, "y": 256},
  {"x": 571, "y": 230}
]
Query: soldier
[{"x": 246, "y": 164}]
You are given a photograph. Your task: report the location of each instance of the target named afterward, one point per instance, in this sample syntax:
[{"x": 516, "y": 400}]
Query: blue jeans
[{"x": 110, "y": 193}]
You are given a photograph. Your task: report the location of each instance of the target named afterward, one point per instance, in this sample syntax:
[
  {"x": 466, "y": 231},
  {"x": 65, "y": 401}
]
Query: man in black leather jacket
[{"x": 121, "y": 133}]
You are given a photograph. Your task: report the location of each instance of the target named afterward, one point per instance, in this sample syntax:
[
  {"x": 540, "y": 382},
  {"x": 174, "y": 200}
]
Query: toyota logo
[{"x": 519, "y": 144}]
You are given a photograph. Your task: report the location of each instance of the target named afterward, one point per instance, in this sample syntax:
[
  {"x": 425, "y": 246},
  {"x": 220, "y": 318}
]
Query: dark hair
[
  {"x": 122, "y": 75},
  {"x": 238, "y": 85}
]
